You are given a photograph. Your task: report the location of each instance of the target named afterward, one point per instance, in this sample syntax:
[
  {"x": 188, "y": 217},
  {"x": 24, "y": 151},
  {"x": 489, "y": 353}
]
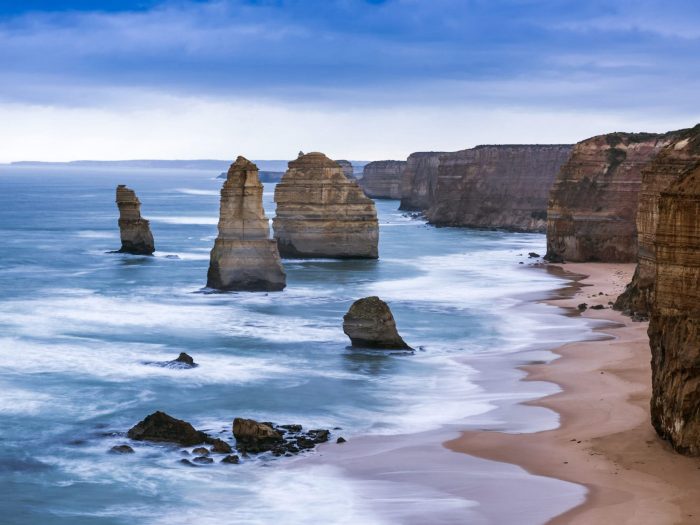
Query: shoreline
[{"x": 605, "y": 441}]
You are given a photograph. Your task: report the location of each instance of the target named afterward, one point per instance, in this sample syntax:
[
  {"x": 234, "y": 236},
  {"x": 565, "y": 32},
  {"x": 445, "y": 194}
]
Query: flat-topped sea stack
[
  {"x": 369, "y": 323},
  {"x": 347, "y": 168},
  {"x": 593, "y": 202},
  {"x": 675, "y": 161},
  {"x": 504, "y": 186},
  {"x": 134, "y": 230},
  {"x": 244, "y": 258},
  {"x": 419, "y": 180},
  {"x": 382, "y": 179},
  {"x": 674, "y": 327},
  {"x": 322, "y": 213}
]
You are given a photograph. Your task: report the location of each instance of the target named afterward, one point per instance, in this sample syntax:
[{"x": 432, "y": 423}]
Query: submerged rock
[
  {"x": 231, "y": 459},
  {"x": 121, "y": 449},
  {"x": 161, "y": 427},
  {"x": 244, "y": 258},
  {"x": 369, "y": 323},
  {"x": 134, "y": 230}
]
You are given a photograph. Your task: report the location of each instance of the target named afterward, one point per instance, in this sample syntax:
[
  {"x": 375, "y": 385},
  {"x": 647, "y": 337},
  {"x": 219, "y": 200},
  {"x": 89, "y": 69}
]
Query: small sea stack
[
  {"x": 322, "y": 213},
  {"x": 244, "y": 258},
  {"x": 134, "y": 230},
  {"x": 370, "y": 324},
  {"x": 381, "y": 179}
]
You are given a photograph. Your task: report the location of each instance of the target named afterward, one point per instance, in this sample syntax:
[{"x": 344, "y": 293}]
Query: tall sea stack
[
  {"x": 593, "y": 202},
  {"x": 322, "y": 213},
  {"x": 382, "y": 179},
  {"x": 134, "y": 230},
  {"x": 496, "y": 186},
  {"x": 674, "y": 327},
  {"x": 244, "y": 258}
]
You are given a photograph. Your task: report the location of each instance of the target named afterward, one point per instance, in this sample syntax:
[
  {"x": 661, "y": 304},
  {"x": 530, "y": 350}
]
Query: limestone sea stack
[
  {"x": 382, "y": 179},
  {"x": 134, "y": 230},
  {"x": 674, "y": 327},
  {"x": 419, "y": 180},
  {"x": 505, "y": 186},
  {"x": 674, "y": 162},
  {"x": 322, "y": 213},
  {"x": 593, "y": 202},
  {"x": 347, "y": 168},
  {"x": 244, "y": 258},
  {"x": 370, "y": 324}
]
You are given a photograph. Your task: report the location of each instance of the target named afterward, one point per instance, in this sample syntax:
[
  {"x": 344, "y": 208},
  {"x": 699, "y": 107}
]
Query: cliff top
[{"x": 315, "y": 159}]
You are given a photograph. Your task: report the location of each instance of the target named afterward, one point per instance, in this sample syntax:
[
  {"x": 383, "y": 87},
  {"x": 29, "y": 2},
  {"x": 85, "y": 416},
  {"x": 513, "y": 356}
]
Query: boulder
[
  {"x": 369, "y": 323},
  {"x": 254, "y": 437},
  {"x": 135, "y": 231},
  {"x": 161, "y": 427},
  {"x": 121, "y": 449}
]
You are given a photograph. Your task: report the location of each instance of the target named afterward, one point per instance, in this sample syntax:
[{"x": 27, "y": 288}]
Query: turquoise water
[{"x": 79, "y": 325}]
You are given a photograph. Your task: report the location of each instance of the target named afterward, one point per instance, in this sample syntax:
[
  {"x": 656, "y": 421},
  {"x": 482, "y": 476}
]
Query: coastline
[{"x": 605, "y": 441}]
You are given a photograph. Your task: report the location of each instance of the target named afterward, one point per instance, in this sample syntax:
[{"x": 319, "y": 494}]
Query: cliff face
[
  {"x": 244, "y": 257},
  {"x": 672, "y": 163},
  {"x": 674, "y": 328},
  {"x": 382, "y": 179},
  {"x": 496, "y": 186},
  {"x": 347, "y": 168},
  {"x": 593, "y": 202},
  {"x": 322, "y": 213},
  {"x": 135, "y": 231},
  {"x": 419, "y": 180}
]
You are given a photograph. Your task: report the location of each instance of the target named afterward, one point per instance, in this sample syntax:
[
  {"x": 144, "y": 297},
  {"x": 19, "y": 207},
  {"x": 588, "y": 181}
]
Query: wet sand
[{"x": 605, "y": 440}]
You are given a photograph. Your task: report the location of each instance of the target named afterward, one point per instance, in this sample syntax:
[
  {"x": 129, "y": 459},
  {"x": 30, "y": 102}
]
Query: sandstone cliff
[
  {"x": 244, "y": 257},
  {"x": 382, "y": 179},
  {"x": 322, "y": 213},
  {"x": 672, "y": 163},
  {"x": 496, "y": 186},
  {"x": 347, "y": 168},
  {"x": 674, "y": 328},
  {"x": 419, "y": 180},
  {"x": 134, "y": 230},
  {"x": 593, "y": 202}
]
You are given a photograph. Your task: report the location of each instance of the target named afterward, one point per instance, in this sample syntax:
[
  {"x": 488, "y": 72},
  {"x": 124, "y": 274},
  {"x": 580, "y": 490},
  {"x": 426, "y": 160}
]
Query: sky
[{"x": 358, "y": 79}]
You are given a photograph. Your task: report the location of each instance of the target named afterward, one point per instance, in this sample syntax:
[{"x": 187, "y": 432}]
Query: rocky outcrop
[
  {"x": 496, "y": 186},
  {"x": 255, "y": 437},
  {"x": 593, "y": 202},
  {"x": 134, "y": 230},
  {"x": 322, "y": 213},
  {"x": 159, "y": 426},
  {"x": 244, "y": 258},
  {"x": 674, "y": 327},
  {"x": 370, "y": 324},
  {"x": 347, "y": 168},
  {"x": 672, "y": 163},
  {"x": 419, "y": 180},
  {"x": 382, "y": 179}
]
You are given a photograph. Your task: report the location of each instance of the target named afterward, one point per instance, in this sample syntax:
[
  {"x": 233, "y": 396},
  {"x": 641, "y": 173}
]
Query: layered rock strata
[
  {"x": 674, "y": 328},
  {"x": 593, "y": 202},
  {"x": 134, "y": 230},
  {"x": 674, "y": 162},
  {"x": 369, "y": 323},
  {"x": 382, "y": 179},
  {"x": 322, "y": 213},
  {"x": 419, "y": 180},
  {"x": 496, "y": 186},
  {"x": 244, "y": 258},
  {"x": 347, "y": 168}
]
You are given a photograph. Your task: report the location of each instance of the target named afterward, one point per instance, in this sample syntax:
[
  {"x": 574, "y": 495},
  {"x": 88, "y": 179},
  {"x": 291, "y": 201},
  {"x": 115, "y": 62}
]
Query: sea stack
[
  {"x": 593, "y": 202},
  {"x": 370, "y": 324},
  {"x": 347, "y": 168},
  {"x": 134, "y": 230},
  {"x": 244, "y": 258},
  {"x": 674, "y": 326},
  {"x": 382, "y": 179},
  {"x": 322, "y": 213},
  {"x": 504, "y": 187}
]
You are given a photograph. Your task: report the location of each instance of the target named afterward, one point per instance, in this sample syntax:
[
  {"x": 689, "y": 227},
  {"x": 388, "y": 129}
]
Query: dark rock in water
[
  {"x": 370, "y": 324},
  {"x": 341, "y": 439},
  {"x": 283, "y": 440},
  {"x": 255, "y": 437},
  {"x": 319, "y": 436},
  {"x": 200, "y": 451},
  {"x": 134, "y": 230},
  {"x": 185, "y": 359},
  {"x": 204, "y": 460},
  {"x": 598, "y": 307},
  {"x": 533, "y": 255},
  {"x": 582, "y": 307},
  {"x": 553, "y": 257},
  {"x": 161, "y": 427},
  {"x": 187, "y": 462},
  {"x": 231, "y": 459},
  {"x": 121, "y": 449},
  {"x": 290, "y": 428},
  {"x": 220, "y": 446}
]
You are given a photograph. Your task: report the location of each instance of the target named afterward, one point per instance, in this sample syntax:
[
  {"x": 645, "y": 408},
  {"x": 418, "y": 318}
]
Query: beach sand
[{"x": 605, "y": 440}]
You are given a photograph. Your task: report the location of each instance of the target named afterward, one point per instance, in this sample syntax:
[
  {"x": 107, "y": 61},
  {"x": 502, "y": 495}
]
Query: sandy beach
[{"x": 605, "y": 440}]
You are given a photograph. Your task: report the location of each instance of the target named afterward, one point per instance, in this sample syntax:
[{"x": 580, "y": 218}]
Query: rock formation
[
  {"x": 419, "y": 180},
  {"x": 370, "y": 324},
  {"x": 159, "y": 426},
  {"x": 322, "y": 213},
  {"x": 674, "y": 328},
  {"x": 134, "y": 230},
  {"x": 673, "y": 162},
  {"x": 496, "y": 186},
  {"x": 382, "y": 179},
  {"x": 593, "y": 202},
  {"x": 244, "y": 257},
  {"x": 347, "y": 168}
]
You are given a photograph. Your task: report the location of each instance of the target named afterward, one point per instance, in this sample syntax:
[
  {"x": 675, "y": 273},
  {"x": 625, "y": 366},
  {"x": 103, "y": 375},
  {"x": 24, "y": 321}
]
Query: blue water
[{"x": 78, "y": 326}]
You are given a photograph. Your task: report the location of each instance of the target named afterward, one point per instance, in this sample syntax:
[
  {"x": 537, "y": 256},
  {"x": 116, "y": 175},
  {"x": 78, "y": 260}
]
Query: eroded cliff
[
  {"x": 419, "y": 180},
  {"x": 134, "y": 230},
  {"x": 382, "y": 179}
]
